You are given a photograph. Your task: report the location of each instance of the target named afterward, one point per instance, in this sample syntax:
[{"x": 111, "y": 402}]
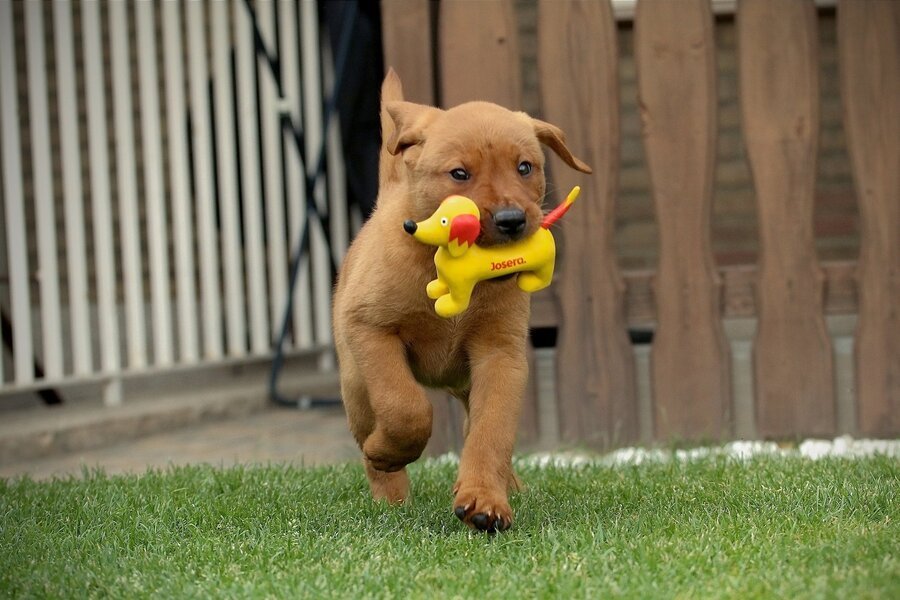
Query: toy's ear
[
  {"x": 410, "y": 122},
  {"x": 464, "y": 230},
  {"x": 554, "y": 138}
]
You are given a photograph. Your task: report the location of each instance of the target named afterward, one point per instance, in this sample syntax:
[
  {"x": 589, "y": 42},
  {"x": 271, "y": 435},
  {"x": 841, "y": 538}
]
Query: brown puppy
[{"x": 389, "y": 340}]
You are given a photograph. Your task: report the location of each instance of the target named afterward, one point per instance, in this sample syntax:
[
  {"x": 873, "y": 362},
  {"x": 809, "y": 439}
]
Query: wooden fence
[{"x": 453, "y": 51}]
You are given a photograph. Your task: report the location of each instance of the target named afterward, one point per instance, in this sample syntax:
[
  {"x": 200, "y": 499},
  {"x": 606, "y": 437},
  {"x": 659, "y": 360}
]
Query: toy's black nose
[
  {"x": 409, "y": 226},
  {"x": 510, "y": 221}
]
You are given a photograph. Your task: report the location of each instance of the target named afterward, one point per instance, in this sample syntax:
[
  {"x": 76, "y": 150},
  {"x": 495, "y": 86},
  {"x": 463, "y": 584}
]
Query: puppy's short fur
[{"x": 389, "y": 340}]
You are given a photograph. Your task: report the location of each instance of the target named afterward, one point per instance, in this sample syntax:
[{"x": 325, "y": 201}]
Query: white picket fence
[{"x": 156, "y": 233}]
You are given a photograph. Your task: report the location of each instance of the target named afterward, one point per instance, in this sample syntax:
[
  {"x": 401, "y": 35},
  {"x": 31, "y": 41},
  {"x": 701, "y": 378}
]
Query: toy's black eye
[
  {"x": 460, "y": 174},
  {"x": 525, "y": 168}
]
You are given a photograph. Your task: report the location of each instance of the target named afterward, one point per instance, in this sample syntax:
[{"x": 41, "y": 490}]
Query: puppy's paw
[{"x": 482, "y": 508}]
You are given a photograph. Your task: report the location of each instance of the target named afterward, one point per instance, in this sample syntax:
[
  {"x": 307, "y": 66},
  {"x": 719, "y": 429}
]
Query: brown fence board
[
  {"x": 674, "y": 52},
  {"x": 409, "y": 46},
  {"x": 579, "y": 85},
  {"x": 479, "y": 60},
  {"x": 479, "y": 53},
  {"x": 869, "y": 47},
  {"x": 780, "y": 94}
]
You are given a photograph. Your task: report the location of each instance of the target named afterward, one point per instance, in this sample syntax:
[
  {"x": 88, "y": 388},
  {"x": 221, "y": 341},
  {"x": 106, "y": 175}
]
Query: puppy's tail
[
  {"x": 389, "y": 165},
  {"x": 554, "y": 215}
]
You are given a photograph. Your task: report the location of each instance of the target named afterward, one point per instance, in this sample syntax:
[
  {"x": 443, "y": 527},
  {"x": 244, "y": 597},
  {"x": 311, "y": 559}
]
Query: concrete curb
[{"x": 41, "y": 431}]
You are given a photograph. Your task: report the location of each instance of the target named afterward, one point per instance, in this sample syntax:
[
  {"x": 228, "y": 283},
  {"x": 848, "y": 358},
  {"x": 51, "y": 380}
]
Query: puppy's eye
[
  {"x": 460, "y": 174},
  {"x": 444, "y": 221},
  {"x": 525, "y": 168}
]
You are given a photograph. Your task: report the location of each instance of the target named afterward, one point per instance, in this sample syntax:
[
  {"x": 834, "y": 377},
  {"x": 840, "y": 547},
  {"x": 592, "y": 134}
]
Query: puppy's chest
[{"x": 437, "y": 357}]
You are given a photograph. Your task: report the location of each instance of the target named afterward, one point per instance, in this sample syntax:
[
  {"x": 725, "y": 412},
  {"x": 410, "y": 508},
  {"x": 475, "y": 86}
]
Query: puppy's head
[{"x": 482, "y": 151}]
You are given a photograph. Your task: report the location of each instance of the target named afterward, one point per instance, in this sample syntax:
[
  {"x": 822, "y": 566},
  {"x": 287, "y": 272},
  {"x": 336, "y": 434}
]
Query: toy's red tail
[{"x": 554, "y": 215}]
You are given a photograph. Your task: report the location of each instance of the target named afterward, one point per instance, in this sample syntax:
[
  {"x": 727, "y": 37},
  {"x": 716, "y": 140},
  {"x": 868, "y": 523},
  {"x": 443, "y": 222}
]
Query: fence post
[
  {"x": 869, "y": 46},
  {"x": 484, "y": 63},
  {"x": 182, "y": 201},
  {"x": 126, "y": 185},
  {"x": 780, "y": 106},
  {"x": 313, "y": 127},
  {"x": 73, "y": 191},
  {"x": 45, "y": 213},
  {"x": 270, "y": 107},
  {"x": 101, "y": 200},
  {"x": 675, "y": 56},
  {"x": 409, "y": 46},
  {"x": 596, "y": 396},
  {"x": 220, "y": 13},
  {"x": 201, "y": 140},
  {"x": 251, "y": 186},
  {"x": 154, "y": 191},
  {"x": 13, "y": 194},
  {"x": 295, "y": 187}
]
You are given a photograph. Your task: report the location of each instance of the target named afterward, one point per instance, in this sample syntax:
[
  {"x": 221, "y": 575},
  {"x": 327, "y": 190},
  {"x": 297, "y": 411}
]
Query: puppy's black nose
[
  {"x": 510, "y": 221},
  {"x": 409, "y": 226}
]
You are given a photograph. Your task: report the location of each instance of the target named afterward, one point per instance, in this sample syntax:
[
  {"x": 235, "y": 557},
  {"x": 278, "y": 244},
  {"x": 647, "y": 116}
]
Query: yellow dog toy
[{"x": 461, "y": 264}]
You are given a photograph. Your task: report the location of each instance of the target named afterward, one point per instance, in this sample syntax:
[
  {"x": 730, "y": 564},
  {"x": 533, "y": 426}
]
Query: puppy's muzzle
[{"x": 409, "y": 226}]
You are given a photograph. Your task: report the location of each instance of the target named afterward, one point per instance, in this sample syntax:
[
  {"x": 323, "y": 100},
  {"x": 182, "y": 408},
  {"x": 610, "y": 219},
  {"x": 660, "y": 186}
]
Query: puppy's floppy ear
[
  {"x": 410, "y": 122},
  {"x": 553, "y": 137}
]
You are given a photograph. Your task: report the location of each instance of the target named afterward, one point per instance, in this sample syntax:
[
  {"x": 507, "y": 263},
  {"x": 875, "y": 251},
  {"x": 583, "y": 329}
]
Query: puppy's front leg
[
  {"x": 402, "y": 412},
  {"x": 499, "y": 373}
]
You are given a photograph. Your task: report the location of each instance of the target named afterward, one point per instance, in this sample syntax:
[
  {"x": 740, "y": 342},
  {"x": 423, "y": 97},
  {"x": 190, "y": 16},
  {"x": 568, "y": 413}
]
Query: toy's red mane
[{"x": 465, "y": 229}]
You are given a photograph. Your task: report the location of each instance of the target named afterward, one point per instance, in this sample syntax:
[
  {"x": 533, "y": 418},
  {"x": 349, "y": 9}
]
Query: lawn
[{"x": 713, "y": 527}]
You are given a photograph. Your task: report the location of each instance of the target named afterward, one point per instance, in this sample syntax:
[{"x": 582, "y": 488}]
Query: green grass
[{"x": 766, "y": 527}]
